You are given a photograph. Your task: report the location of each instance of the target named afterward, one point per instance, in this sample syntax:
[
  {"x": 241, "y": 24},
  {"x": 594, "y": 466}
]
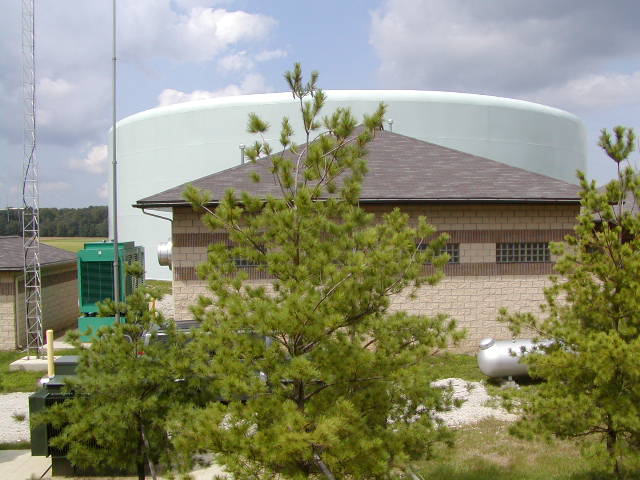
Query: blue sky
[{"x": 578, "y": 55}]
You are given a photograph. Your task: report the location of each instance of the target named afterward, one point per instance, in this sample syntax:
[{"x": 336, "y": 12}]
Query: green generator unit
[{"x": 95, "y": 281}]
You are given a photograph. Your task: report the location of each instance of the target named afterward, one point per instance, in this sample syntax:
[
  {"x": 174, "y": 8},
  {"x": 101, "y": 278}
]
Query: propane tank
[{"x": 501, "y": 358}]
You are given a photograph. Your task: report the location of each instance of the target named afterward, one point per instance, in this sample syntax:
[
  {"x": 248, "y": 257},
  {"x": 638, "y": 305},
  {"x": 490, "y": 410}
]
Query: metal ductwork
[{"x": 164, "y": 253}]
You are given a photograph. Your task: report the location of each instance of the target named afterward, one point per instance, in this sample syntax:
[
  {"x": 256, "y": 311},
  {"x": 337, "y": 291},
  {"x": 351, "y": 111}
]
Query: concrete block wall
[
  {"x": 60, "y": 298},
  {"x": 59, "y": 304},
  {"x": 473, "y": 290},
  {"x": 7, "y": 311},
  {"x": 475, "y": 302}
]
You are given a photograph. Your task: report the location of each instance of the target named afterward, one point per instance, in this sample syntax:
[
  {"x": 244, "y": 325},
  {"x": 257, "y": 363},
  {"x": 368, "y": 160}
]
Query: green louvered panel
[{"x": 97, "y": 282}]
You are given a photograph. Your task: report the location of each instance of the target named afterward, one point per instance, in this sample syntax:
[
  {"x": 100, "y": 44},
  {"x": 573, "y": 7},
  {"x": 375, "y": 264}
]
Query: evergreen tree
[
  {"x": 319, "y": 377},
  {"x": 591, "y": 371},
  {"x": 124, "y": 391}
]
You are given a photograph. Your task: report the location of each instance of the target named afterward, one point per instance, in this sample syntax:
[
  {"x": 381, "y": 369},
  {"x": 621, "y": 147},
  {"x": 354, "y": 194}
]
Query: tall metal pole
[
  {"x": 114, "y": 184},
  {"x": 30, "y": 194}
]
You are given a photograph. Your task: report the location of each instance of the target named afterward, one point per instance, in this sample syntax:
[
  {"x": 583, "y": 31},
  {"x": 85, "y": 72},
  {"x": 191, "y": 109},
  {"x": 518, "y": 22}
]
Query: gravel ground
[
  {"x": 165, "y": 306},
  {"x": 474, "y": 408},
  {"x": 10, "y": 429}
]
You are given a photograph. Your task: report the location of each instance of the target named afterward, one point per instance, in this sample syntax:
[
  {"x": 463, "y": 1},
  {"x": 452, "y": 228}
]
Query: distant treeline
[{"x": 60, "y": 222}]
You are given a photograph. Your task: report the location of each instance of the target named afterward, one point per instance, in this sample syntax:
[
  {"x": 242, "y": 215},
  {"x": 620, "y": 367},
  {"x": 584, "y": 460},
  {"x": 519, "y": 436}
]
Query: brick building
[
  {"x": 59, "y": 291},
  {"x": 499, "y": 219}
]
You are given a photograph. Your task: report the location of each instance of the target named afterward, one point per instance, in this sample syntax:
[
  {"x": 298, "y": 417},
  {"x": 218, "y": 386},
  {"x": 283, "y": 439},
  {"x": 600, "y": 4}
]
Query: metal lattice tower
[{"x": 30, "y": 194}]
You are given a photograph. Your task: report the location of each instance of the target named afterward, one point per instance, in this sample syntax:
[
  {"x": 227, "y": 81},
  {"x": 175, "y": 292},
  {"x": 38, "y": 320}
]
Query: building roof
[
  {"x": 12, "y": 256},
  {"x": 402, "y": 169}
]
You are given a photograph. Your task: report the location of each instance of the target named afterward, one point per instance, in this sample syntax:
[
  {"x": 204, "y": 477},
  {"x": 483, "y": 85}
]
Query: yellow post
[{"x": 50, "y": 366}]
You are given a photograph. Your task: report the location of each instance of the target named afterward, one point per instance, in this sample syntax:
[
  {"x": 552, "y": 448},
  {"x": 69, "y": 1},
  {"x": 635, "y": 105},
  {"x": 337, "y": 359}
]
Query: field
[
  {"x": 72, "y": 244},
  {"x": 486, "y": 451}
]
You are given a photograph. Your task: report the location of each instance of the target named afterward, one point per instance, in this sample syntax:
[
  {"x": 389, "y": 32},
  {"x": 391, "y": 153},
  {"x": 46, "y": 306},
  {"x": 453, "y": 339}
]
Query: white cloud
[
  {"x": 235, "y": 62},
  {"x": 54, "y": 186},
  {"x": 103, "y": 191},
  {"x": 593, "y": 91},
  {"x": 68, "y": 111},
  {"x": 189, "y": 4},
  {"x": 252, "y": 83},
  {"x": 244, "y": 61},
  {"x": 267, "y": 55},
  {"x": 502, "y": 47},
  {"x": 200, "y": 35},
  {"x": 95, "y": 161},
  {"x": 74, "y": 49}
]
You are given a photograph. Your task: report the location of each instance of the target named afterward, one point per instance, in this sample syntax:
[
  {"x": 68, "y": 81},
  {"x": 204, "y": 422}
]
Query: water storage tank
[{"x": 164, "y": 147}]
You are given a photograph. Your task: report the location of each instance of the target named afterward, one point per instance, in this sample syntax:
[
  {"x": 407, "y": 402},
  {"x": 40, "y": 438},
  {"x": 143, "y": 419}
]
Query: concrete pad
[
  {"x": 20, "y": 465},
  {"x": 61, "y": 345},
  {"x": 30, "y": 364},
  {"x": 208, "y": 473}
]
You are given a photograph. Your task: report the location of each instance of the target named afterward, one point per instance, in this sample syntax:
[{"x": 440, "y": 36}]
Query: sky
[{"x": 578, "y": 55}]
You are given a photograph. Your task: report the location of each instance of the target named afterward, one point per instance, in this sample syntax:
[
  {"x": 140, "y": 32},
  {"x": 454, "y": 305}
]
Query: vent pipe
[
  {"x": 241, "y": 146},
  {"x": 165, "y": 251},
  {"x": 390, "y": 122}
]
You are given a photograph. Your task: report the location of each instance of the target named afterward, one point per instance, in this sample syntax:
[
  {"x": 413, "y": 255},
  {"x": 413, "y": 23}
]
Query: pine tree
[
  {"x": 319, "y": 377},
  {"x": 591, "y": 372},
  {"x": 124, "y": 391}
]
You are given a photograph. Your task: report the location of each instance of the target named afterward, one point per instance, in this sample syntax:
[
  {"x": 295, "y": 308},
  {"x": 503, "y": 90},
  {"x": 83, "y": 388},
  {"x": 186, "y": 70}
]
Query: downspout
[
  {"x": 16, "y": 283},
  {"x": 157, "y": 216}
]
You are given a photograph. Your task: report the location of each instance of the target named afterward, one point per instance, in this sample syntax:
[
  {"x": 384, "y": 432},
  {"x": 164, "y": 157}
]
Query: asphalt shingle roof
[
  {"x": 12, "y": 257},
  {"x": 402, "y": 169}
]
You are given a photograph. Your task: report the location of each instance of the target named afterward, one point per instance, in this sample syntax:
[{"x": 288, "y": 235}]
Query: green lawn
[
  {"x": 72, "y": 244},
  {"x": 163, "y": 285},
  {"x": 21, "y": 381},
  {"x": 448, "y": 365},
  {"x": 486, "y": 451}
]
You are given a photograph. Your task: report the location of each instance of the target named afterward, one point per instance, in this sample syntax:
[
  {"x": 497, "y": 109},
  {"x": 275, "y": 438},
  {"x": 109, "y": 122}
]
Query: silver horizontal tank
[
  {"x": 164, "y": 254},
  {"x": 501, "y": 358}
]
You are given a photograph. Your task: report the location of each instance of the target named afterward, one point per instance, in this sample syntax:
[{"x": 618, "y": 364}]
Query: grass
[
  {"x": 449, "y": 365},
  {"x": 25, "y": 445},
  {"x": 21, "y": 381},
  {"x": 72, "y": 244},
  {"x": 163, "y": 285},
  {"x": 486, "y": 451}
]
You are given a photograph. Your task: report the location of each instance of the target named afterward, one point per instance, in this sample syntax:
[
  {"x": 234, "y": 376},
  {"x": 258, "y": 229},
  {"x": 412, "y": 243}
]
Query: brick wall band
[
  {"x": 190, "y": 273},
  {"x": 55, "y": 279},
  {"x": 455, "y": 236},
  {"x": 451, "y": 270}
]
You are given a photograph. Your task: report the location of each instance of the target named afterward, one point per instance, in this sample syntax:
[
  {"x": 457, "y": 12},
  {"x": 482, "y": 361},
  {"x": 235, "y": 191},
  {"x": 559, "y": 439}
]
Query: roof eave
[
  {"x": 171, "y": 204},
  {"x": 48, "y": 264}
]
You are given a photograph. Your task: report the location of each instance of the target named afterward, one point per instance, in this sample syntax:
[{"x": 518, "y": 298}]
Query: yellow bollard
[{"x": 50, "y": 367}]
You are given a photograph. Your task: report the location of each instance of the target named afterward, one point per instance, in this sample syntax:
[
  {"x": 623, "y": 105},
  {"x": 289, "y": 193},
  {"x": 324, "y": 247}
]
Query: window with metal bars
[
  {"x": 453, "y": 249},
  {"x": 522, "y": 252},
  {"x": 241, "y": 262}
]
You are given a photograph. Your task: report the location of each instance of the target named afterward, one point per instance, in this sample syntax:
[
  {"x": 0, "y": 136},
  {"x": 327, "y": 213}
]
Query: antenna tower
[{"x": 30, "y": 212}]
